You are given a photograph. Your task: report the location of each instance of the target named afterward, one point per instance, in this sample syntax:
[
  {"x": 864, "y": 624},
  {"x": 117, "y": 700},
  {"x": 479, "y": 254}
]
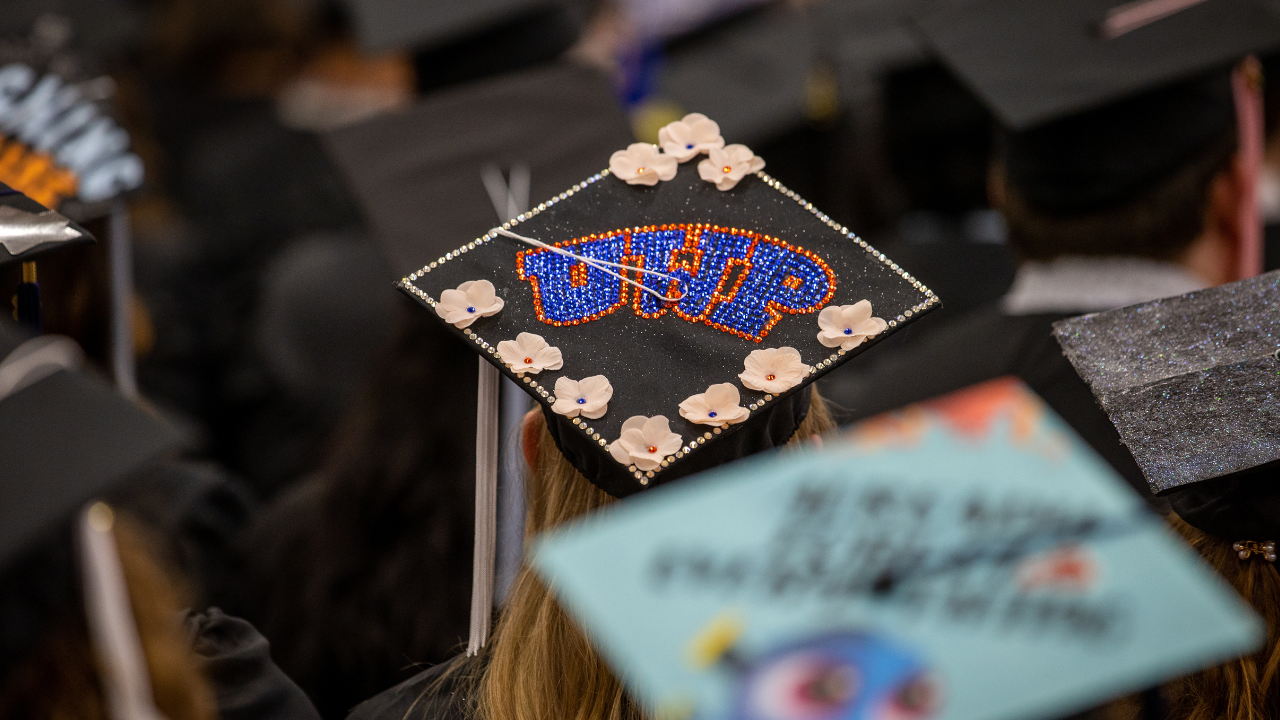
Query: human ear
[{"x": 531, "y": 437}]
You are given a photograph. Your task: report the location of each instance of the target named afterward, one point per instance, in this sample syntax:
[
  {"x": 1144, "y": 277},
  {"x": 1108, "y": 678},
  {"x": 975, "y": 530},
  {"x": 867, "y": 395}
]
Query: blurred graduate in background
[{"x": 1127, "y": 167}]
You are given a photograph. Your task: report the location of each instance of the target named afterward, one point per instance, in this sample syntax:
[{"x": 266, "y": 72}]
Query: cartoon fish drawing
[{"x": 842, "y": 675}]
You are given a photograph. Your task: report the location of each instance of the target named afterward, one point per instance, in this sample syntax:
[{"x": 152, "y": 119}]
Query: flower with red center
[{"x": 530, "y": 353}]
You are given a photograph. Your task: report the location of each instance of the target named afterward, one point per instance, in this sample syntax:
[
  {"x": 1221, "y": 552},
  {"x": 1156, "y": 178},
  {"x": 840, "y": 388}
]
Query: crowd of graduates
[{"x": 246, "y": 487}]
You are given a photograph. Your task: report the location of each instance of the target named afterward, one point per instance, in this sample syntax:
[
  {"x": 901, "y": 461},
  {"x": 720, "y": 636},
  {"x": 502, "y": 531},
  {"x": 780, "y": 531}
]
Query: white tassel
[
  {"x": 487, "y": 411},
  {"x": 125, "y": 679}
]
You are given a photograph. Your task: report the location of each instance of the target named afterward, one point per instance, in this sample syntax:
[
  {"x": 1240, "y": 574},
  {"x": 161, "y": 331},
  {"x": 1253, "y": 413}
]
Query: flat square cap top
[
  {"x": 1192, "y": 382},
  {"x": 737, "y": 283},
  {"x": 65, "y": 439},
  {"x": 1038, "y": 60}
]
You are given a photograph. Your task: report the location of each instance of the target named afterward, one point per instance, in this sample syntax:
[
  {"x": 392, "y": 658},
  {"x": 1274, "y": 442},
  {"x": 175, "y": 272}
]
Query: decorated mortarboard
[
  {"x": 68, "y": 440},
  {"x": 967, "y": 558},
  {"x": 59, "y": 143},
  {"x": 453, "y": 165},
  {"x": 668, "y": 313}
]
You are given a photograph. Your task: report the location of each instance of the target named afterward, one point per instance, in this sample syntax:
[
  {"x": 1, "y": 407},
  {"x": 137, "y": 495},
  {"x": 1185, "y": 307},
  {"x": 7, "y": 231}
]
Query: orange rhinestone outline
[{"x": 692, "y": 232}]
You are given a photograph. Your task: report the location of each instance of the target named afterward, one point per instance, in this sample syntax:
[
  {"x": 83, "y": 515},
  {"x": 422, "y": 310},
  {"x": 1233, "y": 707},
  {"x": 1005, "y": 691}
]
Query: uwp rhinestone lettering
[{"x": 737, "y": 281}]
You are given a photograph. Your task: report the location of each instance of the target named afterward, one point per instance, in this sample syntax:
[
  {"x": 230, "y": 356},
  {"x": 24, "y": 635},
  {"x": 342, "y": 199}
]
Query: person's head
[
  {"x": 1155, "y": 175},
  {"x": 538, "y": 664},
  {"x": 58, "y": 675}
]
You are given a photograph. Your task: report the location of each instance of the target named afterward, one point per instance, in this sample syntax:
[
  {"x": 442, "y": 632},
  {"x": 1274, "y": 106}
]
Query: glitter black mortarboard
[
  {"x": 1101, "y": 98},
  {"x": 727, "y": 366},
  {"x": 1192, "y": 382}
]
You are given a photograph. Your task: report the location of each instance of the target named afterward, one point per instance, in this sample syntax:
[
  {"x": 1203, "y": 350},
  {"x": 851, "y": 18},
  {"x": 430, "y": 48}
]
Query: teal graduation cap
[{"x": 963, "y": 559}]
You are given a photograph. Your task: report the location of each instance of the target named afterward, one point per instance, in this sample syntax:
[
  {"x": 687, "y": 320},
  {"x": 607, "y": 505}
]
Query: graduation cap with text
[
  {"x": 864, "y": 578},
  {"x": 67, "y": 440},
  {"x": 1101, "y": 99},
  {"x": 1192, "y": 384},
  {"x": 669, "y": 312}
]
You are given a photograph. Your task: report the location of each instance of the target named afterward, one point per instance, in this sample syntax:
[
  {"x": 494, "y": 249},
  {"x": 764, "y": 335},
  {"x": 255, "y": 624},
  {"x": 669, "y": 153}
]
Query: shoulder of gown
[
  {"x": 418, "y": 698},
  {"x": 237, "y": 660}
]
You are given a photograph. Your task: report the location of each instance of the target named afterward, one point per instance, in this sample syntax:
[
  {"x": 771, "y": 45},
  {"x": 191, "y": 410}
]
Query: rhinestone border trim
[{"x": 407, "y": 283}]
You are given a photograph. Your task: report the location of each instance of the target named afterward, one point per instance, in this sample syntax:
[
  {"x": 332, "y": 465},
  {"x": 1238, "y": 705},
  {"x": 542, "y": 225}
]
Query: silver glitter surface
[{"x": 1192, "y": 382}]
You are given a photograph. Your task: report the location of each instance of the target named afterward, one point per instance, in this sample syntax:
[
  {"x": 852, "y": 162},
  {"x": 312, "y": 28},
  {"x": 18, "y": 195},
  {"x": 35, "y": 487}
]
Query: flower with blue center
[
  {"x": 588, "y": 397},
  {"x": 719, "y": 406}
]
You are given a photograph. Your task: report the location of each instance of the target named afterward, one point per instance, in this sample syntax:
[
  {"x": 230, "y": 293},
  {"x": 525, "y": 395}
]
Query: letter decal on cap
[{"x": 737, "y": 281}]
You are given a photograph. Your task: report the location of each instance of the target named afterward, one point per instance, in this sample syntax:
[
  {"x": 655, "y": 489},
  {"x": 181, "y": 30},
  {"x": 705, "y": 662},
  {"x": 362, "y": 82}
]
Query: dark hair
[
  {"x": 363, "y": 570},
  {"x": 1161, "y": 222}
]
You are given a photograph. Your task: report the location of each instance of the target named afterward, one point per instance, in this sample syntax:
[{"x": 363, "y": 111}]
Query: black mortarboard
[
  {"x": 29, "y": 229},
  {"x": 1192, "y": 383},
  {"x": 419, "y": 174},
  {"x": 1101, "y": 99},
  {"x": 757, "y": 264},
  {"x": 66, "y": 439},
  {"x": 668, "y": 318}
]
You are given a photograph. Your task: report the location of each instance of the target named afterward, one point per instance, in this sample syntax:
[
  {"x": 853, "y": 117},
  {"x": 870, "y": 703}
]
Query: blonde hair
[
  {"x": 538, "y": 665},
  {"x": 1246, "y": 688},
  {"x": 59, "y": 680}
]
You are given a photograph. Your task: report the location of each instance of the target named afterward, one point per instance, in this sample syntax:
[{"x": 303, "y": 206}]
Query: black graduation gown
[
  {"x": 983, "y": 345},
  {"x": 416, "y": 699}
]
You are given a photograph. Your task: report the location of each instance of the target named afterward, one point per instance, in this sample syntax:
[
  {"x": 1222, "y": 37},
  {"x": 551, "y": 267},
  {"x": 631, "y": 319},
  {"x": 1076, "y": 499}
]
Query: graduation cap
[
  {"x": 863, "y": 579},
  {"x": 437, "y": 172},
  {"x": 1192, "y": 384},
  {"x": 668, "y": 313},
  {"x": 1102, "y": 99},
  {"x": 67, "y": 440}
]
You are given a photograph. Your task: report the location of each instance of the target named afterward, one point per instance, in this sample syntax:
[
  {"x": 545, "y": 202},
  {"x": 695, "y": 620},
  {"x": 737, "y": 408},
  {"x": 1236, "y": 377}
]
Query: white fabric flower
[
  {"x": 717, "y": 406},
  {"x": 728, "y": 165},
  {"x": 645, "y": 442},
  {"x": 530, "y": 353},
  {"x": 773, "y": 370},
  {"x": 472, "y": 300},
  {"x": 846, "y": 326},
  {"x": 689, "y": 137},
  {"x": 588, "y": 397},
  {"x": 642, "y": 164}
]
